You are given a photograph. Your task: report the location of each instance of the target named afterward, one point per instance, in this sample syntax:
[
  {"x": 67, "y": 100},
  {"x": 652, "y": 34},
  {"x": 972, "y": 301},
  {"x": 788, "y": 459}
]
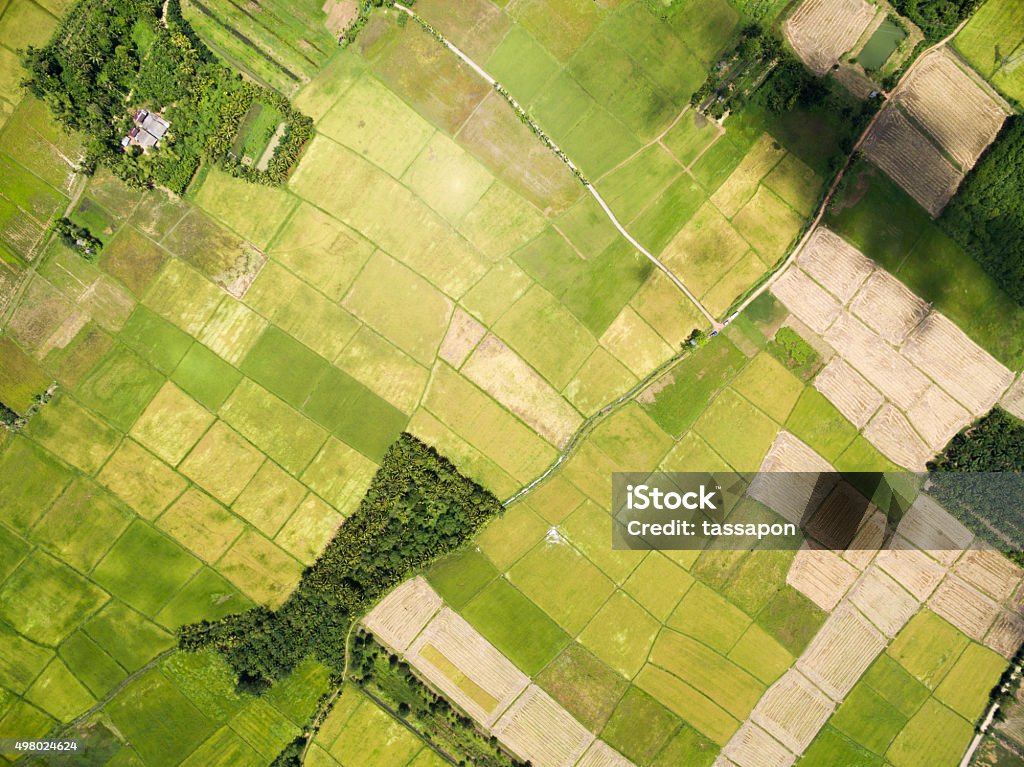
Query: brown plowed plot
[
  {"x": 834, "y": 263},
  {"x": 503, "y": 374},
  {"x": 937, "y": 417},
  {"x": 917, "y": 572},
  {"x": 950, "y": 104},
  {"x": 751, "y": 746},
  {"x": 989, "y": 570},
  {"x": 964, "y": 606},
  {"x": 600, "y": 754},
  {"x": 868, "y": 541},
  {"x": 841, "y": 652},
  {"x": 883, "y": 601},
  {"x": 1013, "y": 400},
  {"x": 464, "y": 333},
  {"x": 823, "y": 30},
  {"x": 845, "y": 388},
  {"x": 403, "y": 613},
  {"x": 1006, "y": 634},
  {"x": 538, "y": 729},
  {"x": 793, "y": 711},
  {"x": 931, "y": 528},
  {"x": 779, "y": 488},
  {"x": 835, "y": 522},
  {"x": 821, "y": 575},
  {"x": 467, "y": 668},
  {"x": 891, "y": 432},
  {"x": 810, "y": 302},
  {"x": 879, "y": 363},
  {"x": 912, "y": 161},
  {"x": 957, "y": 364},
  {"x": 888, "y": 307}
]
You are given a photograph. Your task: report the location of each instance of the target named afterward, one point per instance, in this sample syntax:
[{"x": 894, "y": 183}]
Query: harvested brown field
[
  {"x": 787, "y": 480},
  {"x": 402, "y": 614},
  {"x": 834, "y": 263},
  {"x": 821, "y": 575},
  {"x": 821, "y": 31},
  {"x": 888, "y": 307},
  {"x": 600, "y": 754},
  {"x": 932, "y": 529},
  {"x": 891, "y": 432},
  {"x": 912, "y": 161},
  {"x": 810, "y": 302},
  {"x": 847, "y": 389},
  {"x": 841, "y": 652},
  {"x": 1006, "y": 634},
  {"x": 1013, "y": 400},
  {"x": 835, "y": 522},
  {"x": 751, "y": 746},
  {"x": 852, "y": 78},
  {"x": 883, "y": 601},
  {"x": 961, "y": 114},
  {"x": 503, "y": 374},
  {"x": 793, "y": 710},
  {"x": 464, "y": 333},
  {"x": 966, "y": 371},
  {"x": 467, "y": 668},
  {"x": 538, "y": 729},
  {"x": 964, "y": 606},
  {"x": 989, "y": 570},
  {"x": 917, "y": 572},
  {"x": 937, "y": 417},
  {"x": 868, "y": 541},
  {"x": 882, "y": 366}
]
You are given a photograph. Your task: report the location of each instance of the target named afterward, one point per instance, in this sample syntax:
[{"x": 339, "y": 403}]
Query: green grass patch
[
  {"x": 738, "y": 431},
  {"x": 640, "y": 726},
  {"x": 205, "y": 376},
  {"x": 45, "y": 598},
  {"x": 155, "y": 339},
  {"x": 21, "y": 379},
  {"x": 160, "y": 721},
  {"x": 704, "y": 615},
  {"x": 816, "y": 421},
  {"x": 460, "y": 576},
  {"x": 767, "y": 384},
  {"x": 928, "y": 647},
  {"x": 832, "y": 748},
  {"x": 935, "y": 735},
  {"x": 792, "y": 619},
  {"x": 168, "y": 565},
  {"x": 757, "y": 652},
  {"x": 91, "y": 664},
  {"x": 692, "y": 383},
  {"x": 587, "y": 688},
  {"x": 127, "y": 636},
  {"x": 630, "y": 187},
  {"x": 621, "y": 634},
  {"x": 895, "y": 685},
  {"x": 516, "y": 626},
  {"x": 33, "y": 480},
  {"x": 521, "y": 64},
  {"x": 120, "y": 387},
  {"x": 208, "y": 596},
  {"x": 870, "y": 720},
  {"x": 658, "y": 583},
  {"x": 967, "y": 685}
]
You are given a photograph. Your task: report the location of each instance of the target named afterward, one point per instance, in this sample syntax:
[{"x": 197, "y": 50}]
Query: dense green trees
[
  {"x": 110, "y": 57},
  {"x": 979, "y": 478},
  {"x": 937, "y": 18},
  {"x": 987, "y": 215},
  {"x": 77, "y": 238},
  {"x": 417, "y": 509}
]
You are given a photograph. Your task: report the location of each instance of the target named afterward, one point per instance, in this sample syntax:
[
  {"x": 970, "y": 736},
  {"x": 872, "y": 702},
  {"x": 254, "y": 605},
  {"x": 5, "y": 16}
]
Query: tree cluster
[
  {"x": 936, "y": 18},
  {"x": 109, "y": 58},
  {"x": 987, "y": 215},
  {"x": 77, "y": 238},
  {"x": 979, "y": 478},
  {"x": 417, "y": 509},
  {"x": 298, "y": 130}
]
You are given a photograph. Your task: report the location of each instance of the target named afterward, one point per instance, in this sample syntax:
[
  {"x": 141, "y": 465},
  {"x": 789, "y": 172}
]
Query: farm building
[{"x": 148, "y": 130}]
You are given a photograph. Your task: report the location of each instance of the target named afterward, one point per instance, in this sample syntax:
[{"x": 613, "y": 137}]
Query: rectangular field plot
[
  {"x": 403, "y": 613},
  {"x": 953, "y": 106},
  {"x": 841, "y": 652},
  {"x": 457, "y": 658},
  {"x": 539, "y": 729},
  {"x": 912, "y": 161},
  {"x": 821, "y": 31}
]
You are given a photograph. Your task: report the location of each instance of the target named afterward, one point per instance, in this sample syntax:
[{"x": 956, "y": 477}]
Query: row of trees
[
  {"x": 392, "y": 682},
  {"x": 417, "y": 509},
  {"x": 109, "y": 57},
  {"x": 987, "y": 215}
]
